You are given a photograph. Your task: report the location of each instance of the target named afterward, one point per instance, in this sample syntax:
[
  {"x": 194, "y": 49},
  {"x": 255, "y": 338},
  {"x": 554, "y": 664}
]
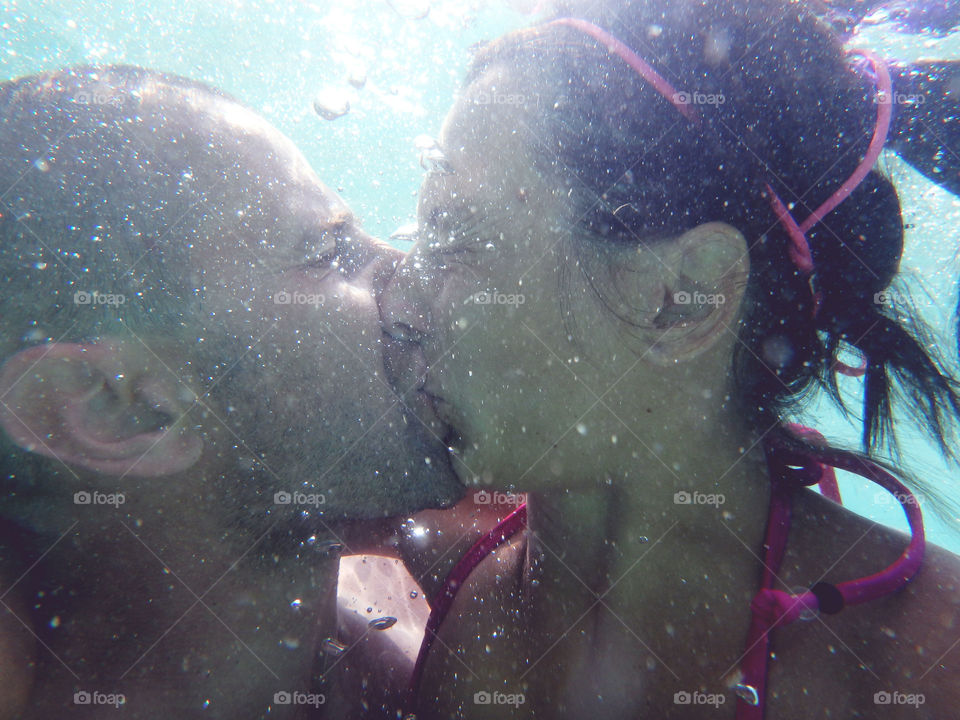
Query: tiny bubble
[{"x": 332, "y": 646}]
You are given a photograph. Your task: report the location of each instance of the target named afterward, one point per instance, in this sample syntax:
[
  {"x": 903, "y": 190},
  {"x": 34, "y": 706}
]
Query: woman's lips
[
  {"x": 424, "y": 406},
  {"x": 406, "y": 370}
]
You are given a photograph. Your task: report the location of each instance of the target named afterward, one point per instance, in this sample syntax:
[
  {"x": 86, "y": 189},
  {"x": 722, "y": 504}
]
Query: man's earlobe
[{"x": 93, "y": 406}]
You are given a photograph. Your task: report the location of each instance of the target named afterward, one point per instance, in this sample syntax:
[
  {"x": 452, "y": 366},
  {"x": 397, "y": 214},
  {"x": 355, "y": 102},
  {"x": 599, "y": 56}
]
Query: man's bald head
[{"x": 123, "y": 172}]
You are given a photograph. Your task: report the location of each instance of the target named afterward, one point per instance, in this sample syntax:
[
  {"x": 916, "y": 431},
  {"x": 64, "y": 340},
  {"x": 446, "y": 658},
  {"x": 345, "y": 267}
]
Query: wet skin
[
  {"x": 200, "y": 595},
  {"x": 521, "y": 387}
]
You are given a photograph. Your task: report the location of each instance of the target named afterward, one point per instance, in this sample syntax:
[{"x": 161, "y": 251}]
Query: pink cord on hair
[
  {"x": 641, "y": 66},
  {"x": 880, "y": 132},
  {"x": 799, "y": 249}
]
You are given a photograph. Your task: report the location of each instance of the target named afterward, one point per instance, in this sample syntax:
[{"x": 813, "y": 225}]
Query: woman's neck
[{"x": 635, "y": 555}]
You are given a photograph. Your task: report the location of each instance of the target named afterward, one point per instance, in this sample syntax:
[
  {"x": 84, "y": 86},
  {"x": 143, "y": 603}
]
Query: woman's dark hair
[{"x": 781, "y": 104}]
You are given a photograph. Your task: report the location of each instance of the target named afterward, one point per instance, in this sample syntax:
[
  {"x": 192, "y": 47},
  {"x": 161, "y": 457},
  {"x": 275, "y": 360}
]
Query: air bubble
[
  {"x": 382, "y": 623},
  {"x": 332, "y": 646}
]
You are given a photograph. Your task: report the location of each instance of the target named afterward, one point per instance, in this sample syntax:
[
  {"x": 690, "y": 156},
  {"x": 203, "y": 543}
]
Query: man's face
[
  {"x": 274, "y": 379},
  {"x": 306, "y": 394}
]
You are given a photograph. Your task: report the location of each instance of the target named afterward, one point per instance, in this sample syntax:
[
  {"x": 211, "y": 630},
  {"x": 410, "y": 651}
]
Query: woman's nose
[{"x": 406, "y": 311}]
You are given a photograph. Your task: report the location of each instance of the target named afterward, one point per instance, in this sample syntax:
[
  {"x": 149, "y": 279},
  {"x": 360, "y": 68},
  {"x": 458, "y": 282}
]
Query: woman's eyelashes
[{"x": 449, "y": 228}]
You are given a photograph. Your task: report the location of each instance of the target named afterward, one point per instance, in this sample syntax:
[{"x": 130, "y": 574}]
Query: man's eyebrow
[{"x": 338, "y": 224}]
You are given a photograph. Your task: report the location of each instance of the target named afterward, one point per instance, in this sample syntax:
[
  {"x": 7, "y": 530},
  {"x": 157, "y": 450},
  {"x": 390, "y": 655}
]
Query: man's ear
[
  {"x": 706, "y": 279},
  {"x": 100, "y": 407}
]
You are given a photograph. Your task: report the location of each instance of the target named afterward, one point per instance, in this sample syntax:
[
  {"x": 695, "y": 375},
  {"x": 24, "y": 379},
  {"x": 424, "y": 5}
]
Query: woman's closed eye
[{"x": 449, "y": 229}]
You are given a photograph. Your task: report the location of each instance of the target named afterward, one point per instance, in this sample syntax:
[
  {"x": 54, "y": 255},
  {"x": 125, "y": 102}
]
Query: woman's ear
[
  {"x": 704, "y": 280},
  {"x": 101, "y": 406}
]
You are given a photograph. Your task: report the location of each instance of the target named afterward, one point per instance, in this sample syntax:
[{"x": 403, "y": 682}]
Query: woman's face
[{"x": 519, "y": 356}]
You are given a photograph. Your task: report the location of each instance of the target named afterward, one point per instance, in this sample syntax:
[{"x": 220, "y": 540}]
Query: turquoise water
[{"x": 277, "y": 56}]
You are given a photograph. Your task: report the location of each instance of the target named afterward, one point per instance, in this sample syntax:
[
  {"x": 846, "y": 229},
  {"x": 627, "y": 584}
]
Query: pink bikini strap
[
  {"x": 641, "y": 66},
  {"x": 773, "y": 608},
  {"x": 770, "y": 608},
  {"x": 441, "y": 602}
]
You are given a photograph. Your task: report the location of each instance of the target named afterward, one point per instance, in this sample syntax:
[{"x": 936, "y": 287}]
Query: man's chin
[{"x": 398, "y": 472}]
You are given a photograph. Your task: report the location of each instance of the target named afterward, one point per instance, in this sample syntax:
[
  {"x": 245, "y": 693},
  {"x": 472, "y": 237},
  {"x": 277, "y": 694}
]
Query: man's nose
[{"x": 406, "y": 302}]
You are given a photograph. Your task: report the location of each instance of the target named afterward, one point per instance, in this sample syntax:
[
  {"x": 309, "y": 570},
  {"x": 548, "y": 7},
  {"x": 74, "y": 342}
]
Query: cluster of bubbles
[{"x": 333, "y": 101}]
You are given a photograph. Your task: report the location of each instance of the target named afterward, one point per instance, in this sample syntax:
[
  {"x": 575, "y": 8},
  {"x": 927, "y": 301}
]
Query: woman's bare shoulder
[
  {"x": 926, "y": 625},
  {"x": 935, "y": 598},
  {"x": 911, "y": 638}
]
